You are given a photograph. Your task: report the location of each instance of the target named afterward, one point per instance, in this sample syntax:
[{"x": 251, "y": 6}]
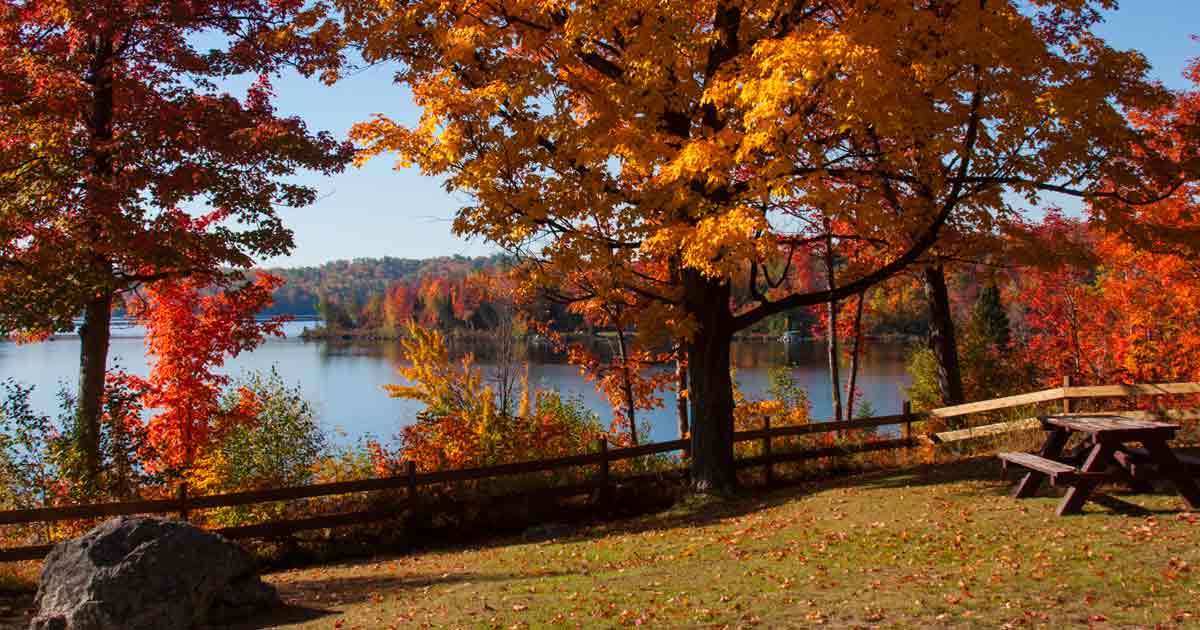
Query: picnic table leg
[
  {"x": 1170, "y": 467},
  {"x": 1097, "y": 461},
  {"x": 1053, "y": 447}
]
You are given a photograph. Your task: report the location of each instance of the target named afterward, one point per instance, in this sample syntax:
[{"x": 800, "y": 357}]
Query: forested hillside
[{"x": 357, "y": 281}]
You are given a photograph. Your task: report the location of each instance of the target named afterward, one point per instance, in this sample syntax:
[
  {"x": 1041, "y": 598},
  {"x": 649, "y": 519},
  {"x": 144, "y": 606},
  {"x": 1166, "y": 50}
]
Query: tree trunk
[
  {"x": 855, "y": 350},
  {"x": 710, "y": 390},
  {"x": 681, "y": 383},
  {"x": 627, "y": 385},
  {"x": 93, "y": 362},
  {"x": 97, "y": 314},
  {"x": 941, "y": 336},
  {"x": 831, "y": 333}
]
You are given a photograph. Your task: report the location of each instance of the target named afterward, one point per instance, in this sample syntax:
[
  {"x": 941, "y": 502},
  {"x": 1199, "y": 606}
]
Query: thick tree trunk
[
  {"x": 627, "y": 386},
  {"x": 855, "y": 351},
  {"x": 941, "y": 336},
  {"x": 710, "y": 389},
  {"x": 831, "y": 338},
  {"x": 681, "y": 383},
  {"x": 93, "y": 363}
]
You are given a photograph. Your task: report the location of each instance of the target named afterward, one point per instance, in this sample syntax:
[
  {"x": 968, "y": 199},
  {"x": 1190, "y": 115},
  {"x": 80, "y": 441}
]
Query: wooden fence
[{"x": 410, "y": 481}]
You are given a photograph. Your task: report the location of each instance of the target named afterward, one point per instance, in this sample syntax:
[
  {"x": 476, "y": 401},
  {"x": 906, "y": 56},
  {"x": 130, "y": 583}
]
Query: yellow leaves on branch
[{"x": 716, "y": 244}]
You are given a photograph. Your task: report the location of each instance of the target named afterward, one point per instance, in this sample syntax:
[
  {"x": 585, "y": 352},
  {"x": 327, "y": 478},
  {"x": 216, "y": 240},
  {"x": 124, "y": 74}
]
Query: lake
[{"x": 343, "y": 380}]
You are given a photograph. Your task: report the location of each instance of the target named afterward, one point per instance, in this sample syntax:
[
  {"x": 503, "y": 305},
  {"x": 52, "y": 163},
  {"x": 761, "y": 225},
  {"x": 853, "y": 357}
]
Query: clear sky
[{"x": 378, "y": 211}]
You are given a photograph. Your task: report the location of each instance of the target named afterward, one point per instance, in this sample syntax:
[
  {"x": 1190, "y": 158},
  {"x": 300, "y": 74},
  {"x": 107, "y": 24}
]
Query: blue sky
[{"x": 378, "y": 211}]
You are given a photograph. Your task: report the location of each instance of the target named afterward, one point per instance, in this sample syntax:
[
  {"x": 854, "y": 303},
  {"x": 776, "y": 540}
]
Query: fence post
[
  {"x": 768, "y": 473},
  {"x": 602, "y": 447},
  {"x": 181, "y": 495},
  {"x": 416, "y": 517},
  {"x": 410, "y": 468},
  {"x": 1066, "y": 400},
  {"x": 906, "y": 409}
]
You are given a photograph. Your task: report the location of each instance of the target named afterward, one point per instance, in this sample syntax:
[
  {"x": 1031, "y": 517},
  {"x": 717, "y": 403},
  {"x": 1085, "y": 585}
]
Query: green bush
[{"x": 280, "y": 446}]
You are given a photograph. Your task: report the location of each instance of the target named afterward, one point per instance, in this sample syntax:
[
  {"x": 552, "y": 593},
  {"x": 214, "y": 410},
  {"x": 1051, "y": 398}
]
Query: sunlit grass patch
[{"x": 921, "y": 547}]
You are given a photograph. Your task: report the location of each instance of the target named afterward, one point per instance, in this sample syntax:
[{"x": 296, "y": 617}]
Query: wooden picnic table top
[{"x": 1109, "y": 425}]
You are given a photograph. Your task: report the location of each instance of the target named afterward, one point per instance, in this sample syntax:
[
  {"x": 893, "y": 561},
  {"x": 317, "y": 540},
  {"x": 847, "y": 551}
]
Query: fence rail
[{"x": 411, "y": 480}]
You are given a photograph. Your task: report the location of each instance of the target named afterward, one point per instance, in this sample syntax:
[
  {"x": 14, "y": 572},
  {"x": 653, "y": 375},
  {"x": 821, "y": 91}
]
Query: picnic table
[{"x": 1105, "y": 455}]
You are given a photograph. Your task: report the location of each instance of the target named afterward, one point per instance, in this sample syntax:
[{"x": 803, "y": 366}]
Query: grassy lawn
[{"x": 927, "y": 547}]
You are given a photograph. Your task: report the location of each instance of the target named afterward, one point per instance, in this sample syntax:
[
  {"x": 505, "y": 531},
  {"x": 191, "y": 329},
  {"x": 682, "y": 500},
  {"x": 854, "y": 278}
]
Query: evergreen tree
[{"x": 990, "y": 320}]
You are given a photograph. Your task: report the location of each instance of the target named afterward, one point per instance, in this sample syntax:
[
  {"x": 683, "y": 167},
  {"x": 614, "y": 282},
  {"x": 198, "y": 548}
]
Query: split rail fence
[{"x": 410, "y": 482}]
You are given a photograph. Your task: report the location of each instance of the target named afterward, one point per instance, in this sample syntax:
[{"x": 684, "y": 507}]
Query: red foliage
[{"x": 191, "y": 333}]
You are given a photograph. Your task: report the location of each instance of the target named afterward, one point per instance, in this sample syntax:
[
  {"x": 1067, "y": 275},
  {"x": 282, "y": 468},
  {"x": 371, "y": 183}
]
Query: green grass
[{"x": 928, "y": 547}]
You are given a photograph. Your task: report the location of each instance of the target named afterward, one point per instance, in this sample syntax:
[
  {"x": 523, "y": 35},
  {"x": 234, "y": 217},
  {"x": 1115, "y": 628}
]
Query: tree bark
[
  {"x": 681, "y": 383},
  {"x": 831, "y": 339},
  {"x": 97, "y": 314},
  {"x": 93, "y": 363},
  {"x": 852, "y": 382},
  {"x": 627, "y": 385},
  {"x": 710, "y": 390},
  {"x": 941, "y": 336}
]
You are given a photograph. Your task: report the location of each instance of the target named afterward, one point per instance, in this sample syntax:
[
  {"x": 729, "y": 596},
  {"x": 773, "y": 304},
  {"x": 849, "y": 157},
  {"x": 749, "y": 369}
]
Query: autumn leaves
[{"x": 678, "y": 156}]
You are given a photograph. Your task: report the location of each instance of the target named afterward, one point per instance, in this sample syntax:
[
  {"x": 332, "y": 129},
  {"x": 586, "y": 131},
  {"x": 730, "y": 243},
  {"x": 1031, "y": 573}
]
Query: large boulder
[{"x": 147, "y": 573}]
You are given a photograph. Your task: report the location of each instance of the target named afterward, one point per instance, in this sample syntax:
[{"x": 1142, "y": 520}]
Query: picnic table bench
[{"x": 1105, "y": 455}]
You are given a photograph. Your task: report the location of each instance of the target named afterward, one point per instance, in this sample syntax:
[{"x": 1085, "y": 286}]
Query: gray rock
[{"x": 147, "y": 573}]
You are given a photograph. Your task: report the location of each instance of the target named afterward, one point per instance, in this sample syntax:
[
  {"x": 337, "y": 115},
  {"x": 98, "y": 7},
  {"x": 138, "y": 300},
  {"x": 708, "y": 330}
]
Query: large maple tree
[
  {"x": 714, "y": 138},
  {"x": 124, "y": 160}
]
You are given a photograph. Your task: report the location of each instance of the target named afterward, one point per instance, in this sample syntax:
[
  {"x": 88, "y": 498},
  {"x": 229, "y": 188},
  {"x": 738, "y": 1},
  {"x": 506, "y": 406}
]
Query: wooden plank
[
  {"x": 1110, "y": 424},
  {"x": 32, "y": 552},
  {"x": 1151, "y": 389},
  {"x": 829, "y": 451},
  {"x": 824, "y": 427},
  {"x": 986, "y": 430},
  {"x": 1035, "y": 462},
  {"x": 76, "y": 512},
  {"x": 1034, "y": 423},
  {"x": 298, "y": 492},
  {"x": 1051, "y": 449},
  {"x": 999, "y": 403},
  {"x": 467, "y": 474},
  {"x": 286, "y": 527},
  {"x": 647, "y": 449},
  {"x": 1143, "y": 414}
]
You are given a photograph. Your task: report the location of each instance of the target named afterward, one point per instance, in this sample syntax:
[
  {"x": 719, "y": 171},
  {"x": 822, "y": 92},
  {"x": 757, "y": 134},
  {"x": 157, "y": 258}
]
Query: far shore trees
[
  {"x": 713, "y": 140},
  {"x": 123, "y": 160}
]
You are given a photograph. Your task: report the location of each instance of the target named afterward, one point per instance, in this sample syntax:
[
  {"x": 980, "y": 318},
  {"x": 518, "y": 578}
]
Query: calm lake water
[{"x": 343, "y": 380}]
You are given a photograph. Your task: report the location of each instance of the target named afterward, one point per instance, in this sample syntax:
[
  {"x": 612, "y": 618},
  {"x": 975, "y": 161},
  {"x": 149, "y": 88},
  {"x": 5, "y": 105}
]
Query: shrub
[
  {"x": 280, "y": 444},
  {"x": 463, "y": 426}
]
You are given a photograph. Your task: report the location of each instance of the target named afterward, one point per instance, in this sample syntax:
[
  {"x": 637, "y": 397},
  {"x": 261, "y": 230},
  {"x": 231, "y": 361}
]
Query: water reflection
[{"x": 344, "y": 379}]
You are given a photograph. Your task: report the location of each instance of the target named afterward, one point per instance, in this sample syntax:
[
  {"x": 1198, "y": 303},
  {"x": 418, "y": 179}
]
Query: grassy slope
[{"x": 926, "y": 547}]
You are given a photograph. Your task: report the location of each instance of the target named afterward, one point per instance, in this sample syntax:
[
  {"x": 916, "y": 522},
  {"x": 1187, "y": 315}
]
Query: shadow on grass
[
  {"x": 701, "y": 512},
  {"x": 983, "y": 469},
  {"x": 309, "y": 599},
  {"x": 1120, "y": 506},
  {"x": 353, "y": 589},
  {"x": 286, "y": 614}
]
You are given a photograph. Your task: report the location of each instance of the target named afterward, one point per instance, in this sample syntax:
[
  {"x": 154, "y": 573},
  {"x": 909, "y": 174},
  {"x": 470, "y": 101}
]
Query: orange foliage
[
  {"x": 191, "y": 333},
  {"x": 1129, "y": 316},
  {"x": 463, "y": 427}
]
